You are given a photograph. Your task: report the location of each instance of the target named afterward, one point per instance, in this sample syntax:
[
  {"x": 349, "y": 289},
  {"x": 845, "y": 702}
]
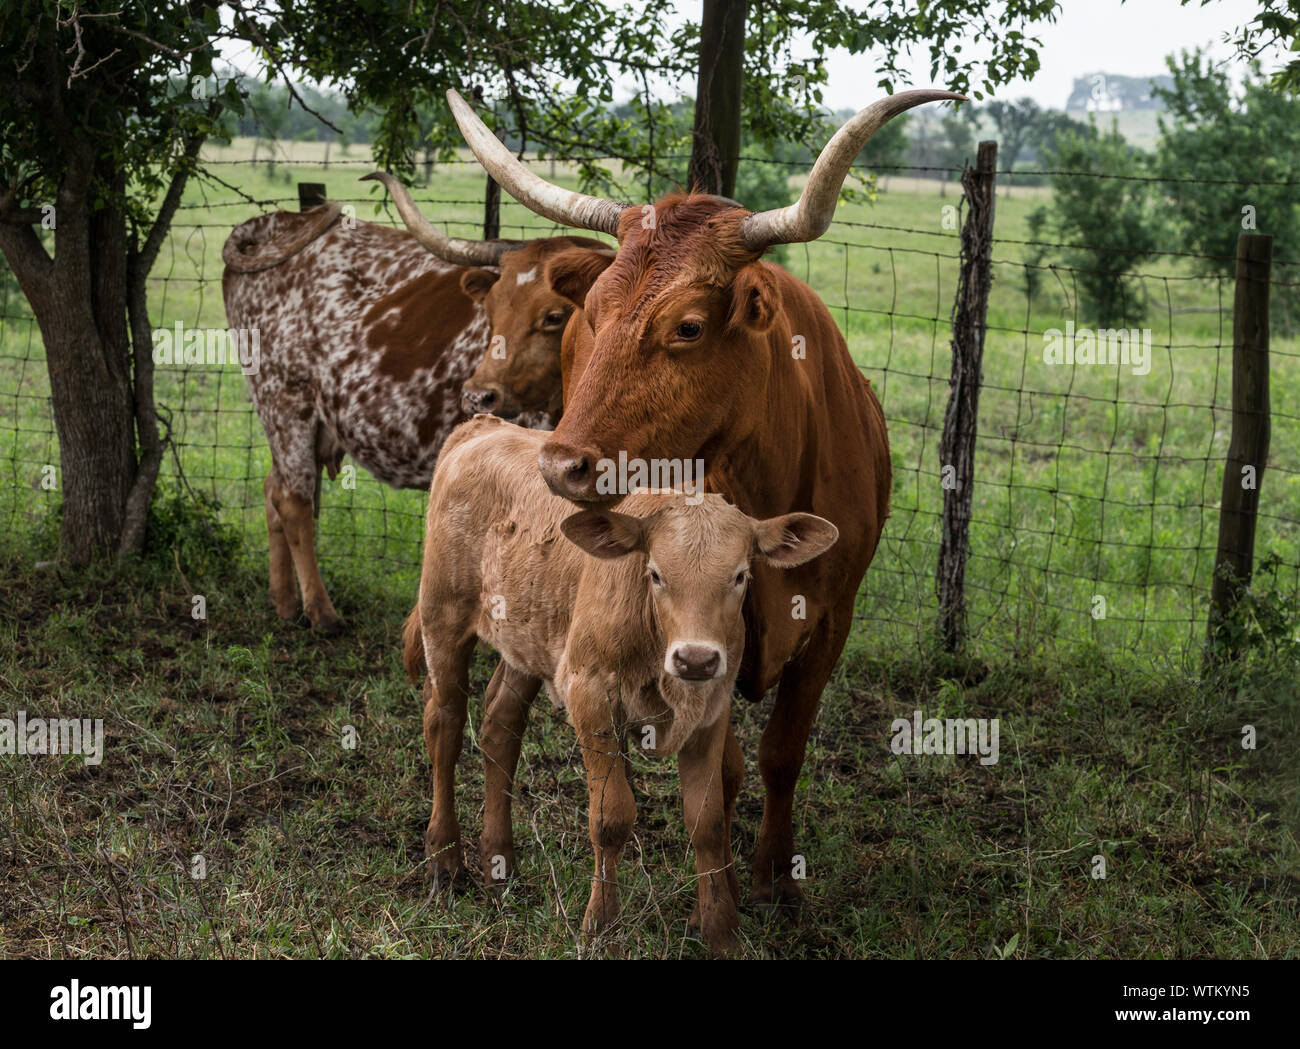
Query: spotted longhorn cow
[
  {"x": 366, "y": 336},
  {"x": 689, "y": 346}
]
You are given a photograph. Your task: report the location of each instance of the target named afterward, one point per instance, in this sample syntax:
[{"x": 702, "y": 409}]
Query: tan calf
[{"x": 631, "y": 619}]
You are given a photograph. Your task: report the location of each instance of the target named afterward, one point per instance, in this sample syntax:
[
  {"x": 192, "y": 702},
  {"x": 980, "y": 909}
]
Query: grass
[
  {"x": 225, "y": 736},
  {"x": 225, "y": 741}
]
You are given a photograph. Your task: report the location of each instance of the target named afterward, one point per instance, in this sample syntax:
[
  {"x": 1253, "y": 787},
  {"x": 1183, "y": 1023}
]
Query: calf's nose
[
  {"x": 693, "y": 661},
  {"x": 476, "y": 400},
  {"x": 571, "y": 473}
]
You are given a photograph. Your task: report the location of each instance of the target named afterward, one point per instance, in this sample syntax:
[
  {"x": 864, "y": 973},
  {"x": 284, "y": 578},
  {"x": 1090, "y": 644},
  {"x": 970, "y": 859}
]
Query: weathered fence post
[
  {"x": 1248, "y": 448},
  {"x": 310, "y": 195},
  {"x": 957, "y": 445}
]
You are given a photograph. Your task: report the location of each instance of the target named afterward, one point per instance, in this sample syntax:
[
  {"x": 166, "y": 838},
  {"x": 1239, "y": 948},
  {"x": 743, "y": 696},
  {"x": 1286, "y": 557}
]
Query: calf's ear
[
  {"x": 572, "y": 273},
  {"x": 603, "y": 533},
  {"x": 477, "y": 282},
  {"x": 753, "y": 299},
  {"x": 792, "y": 539}
]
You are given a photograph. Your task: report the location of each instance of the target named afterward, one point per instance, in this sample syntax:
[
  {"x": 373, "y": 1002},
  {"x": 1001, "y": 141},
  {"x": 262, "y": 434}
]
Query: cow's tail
[
  {"x": 268, "y": 240},
  {"x": 413, "y": 647}
]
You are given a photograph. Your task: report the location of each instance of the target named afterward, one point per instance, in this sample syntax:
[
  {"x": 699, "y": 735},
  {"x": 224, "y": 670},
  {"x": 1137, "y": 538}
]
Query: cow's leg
[
  {"x": 446, "y": 695},
  {"x": 298, "y": 523},
  {"x": 510, "y": 695},
  {"x": 700, "y": 762},
  {"x": 780, "y": 759},
  {"x": 611, "y": 808},
  {"x": 284, "y": 590}
]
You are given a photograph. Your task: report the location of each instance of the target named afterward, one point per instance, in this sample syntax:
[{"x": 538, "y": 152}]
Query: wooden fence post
[
  {"x": 1248, "y": 448},
  {"x": 310, "y": 195},
  {"x": 957, "y": 445}
]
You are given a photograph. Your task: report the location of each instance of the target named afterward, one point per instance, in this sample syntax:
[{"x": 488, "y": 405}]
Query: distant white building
[{"x": 1112, "y": 93}]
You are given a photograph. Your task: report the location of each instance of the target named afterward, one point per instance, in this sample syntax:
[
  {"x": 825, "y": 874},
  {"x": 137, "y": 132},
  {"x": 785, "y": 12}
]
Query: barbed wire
[{"x": 1061, "y": 455}]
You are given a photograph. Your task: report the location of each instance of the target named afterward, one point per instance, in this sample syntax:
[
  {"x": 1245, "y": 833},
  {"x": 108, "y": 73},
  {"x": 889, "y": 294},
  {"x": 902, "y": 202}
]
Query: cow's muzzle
[
  {"x": 696, "y": 661},
  {"x": 485, "y": 400},
  {"x": 571, "y": 474}
]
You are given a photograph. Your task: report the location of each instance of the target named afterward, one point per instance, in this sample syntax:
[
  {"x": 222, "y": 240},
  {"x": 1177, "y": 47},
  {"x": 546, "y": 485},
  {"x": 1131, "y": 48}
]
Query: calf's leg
[
  {"x": 700, "y": 762},
  {"x": 611, "y": 807},
  {"x": 733, "y": 778},
  {"x": 510, "y": 695},
  {"x": 446, "y": 693}
]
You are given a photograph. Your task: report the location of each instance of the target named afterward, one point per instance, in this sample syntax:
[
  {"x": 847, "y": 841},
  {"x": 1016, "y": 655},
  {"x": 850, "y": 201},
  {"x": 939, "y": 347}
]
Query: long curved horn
[
  {"x": 450, "y": 249},
  {"x": 552, "y": 202},
  {"x": 809, "y": 216}
]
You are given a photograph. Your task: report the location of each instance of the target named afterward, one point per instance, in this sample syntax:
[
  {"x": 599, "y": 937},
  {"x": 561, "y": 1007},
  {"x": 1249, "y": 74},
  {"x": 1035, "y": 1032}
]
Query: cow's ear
[
  {"x": 753, "y": 299},
  {"x": 477, "y": 282},
  {"x": 603, "y": 533},
  {"x": 793, "y": 538},
  {"x": 572, "y": 273}
]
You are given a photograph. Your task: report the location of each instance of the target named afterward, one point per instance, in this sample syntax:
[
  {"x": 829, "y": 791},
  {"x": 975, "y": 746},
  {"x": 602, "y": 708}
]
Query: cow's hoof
[
  {"x": 784, "y": 900},
  {"x": 723, "y": 946},
  {"x": 448, "y": 878},
  {"x": 328, "y": 626}
]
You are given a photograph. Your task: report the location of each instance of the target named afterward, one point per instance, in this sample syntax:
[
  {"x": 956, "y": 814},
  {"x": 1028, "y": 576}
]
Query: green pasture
[{"x": 1091, "y": 482}]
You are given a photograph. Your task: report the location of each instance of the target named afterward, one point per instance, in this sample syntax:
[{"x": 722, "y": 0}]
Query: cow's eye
[
  {"x": 553, "y": 319},
  {"x": 740, "y": 578},
  {"x": 656, "y": 578},
  {"x": 689, "y": 331}
]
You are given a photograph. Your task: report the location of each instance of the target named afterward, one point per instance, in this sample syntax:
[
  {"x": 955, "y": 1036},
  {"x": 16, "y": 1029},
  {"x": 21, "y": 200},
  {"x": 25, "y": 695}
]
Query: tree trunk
[
  {"x": 89, "y": 303},
  {"x": 715, "y": 147},
  {"x": 78, "y": 299}
]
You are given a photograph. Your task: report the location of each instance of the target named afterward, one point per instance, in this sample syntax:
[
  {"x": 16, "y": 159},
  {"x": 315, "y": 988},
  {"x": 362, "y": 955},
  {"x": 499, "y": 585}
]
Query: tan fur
[
  {"x": 664, "y": 590},
  {"x": 413, "y": 647}
]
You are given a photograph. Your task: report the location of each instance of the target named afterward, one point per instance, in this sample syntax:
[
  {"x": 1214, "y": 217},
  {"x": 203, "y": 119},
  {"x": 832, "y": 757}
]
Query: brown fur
[
  {"x": 777, "y": 433},
  {"x": 520, "y": 373}
]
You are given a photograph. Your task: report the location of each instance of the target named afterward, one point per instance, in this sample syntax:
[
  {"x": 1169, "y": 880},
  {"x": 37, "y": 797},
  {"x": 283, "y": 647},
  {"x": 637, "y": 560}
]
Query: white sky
[{"x": 1089, "y": 36}]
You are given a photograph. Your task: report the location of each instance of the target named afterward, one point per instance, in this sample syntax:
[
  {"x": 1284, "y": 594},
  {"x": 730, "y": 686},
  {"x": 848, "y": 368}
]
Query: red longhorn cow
[{"x": 690, "y": 346}]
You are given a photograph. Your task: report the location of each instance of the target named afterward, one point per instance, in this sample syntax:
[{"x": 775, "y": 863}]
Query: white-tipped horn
[
  {"x": 450, "y": 249},
  {"x": 809, "y": 216},
  {"x": 552, "y": 202}
]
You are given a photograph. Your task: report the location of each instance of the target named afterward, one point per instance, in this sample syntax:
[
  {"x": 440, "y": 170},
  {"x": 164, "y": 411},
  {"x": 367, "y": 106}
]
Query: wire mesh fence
[{"x": 1096, "y": 485}]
